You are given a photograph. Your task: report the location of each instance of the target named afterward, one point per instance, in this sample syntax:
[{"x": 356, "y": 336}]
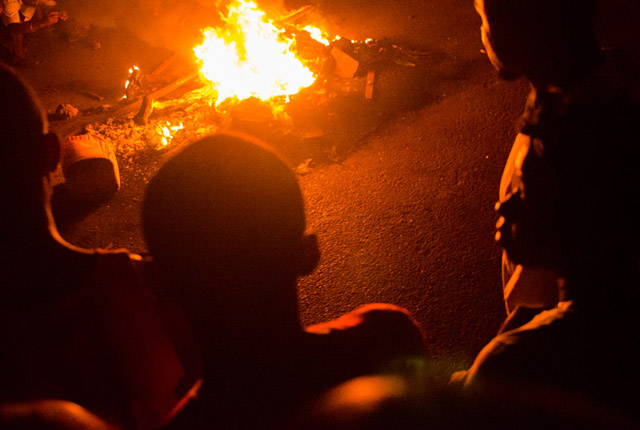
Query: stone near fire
[{"x": 64, "y": 111}]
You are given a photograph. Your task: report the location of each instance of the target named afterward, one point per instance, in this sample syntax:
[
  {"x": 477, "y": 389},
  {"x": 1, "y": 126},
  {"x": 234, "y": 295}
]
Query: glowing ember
[
  {"x": 250, "y": 57},
  {"x": 134, "y": 78},
  {"x": 167, "y": 132},
  {"x": 316, "y": 34}
]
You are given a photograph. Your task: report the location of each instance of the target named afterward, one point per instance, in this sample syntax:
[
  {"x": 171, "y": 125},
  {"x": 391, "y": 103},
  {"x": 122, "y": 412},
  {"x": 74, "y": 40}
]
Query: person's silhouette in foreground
[
  {"x": 76, "y": 325},
  {"x": 570, "y": 207},
  {"x": 49, "y": 414},
  {"x": 553, "y": 45},
  {"x": 225, "y": 224}
]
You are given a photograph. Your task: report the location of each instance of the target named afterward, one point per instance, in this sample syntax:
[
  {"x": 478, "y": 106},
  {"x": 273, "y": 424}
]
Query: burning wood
[
  {"x": 142, "y": 117},
  {"x": 285, "y": 78},
  {"x": 135, "y": 84},
  {"x": 250, "y": 57},
  {"x": 168, "y": 132}
]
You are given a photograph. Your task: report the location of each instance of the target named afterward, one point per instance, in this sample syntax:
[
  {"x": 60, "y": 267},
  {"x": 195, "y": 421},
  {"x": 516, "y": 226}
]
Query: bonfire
[{"x": 285, "y": 79}]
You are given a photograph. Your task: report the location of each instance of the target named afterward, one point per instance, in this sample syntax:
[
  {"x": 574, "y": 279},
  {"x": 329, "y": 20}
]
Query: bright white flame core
[
  {"x": 166, "y": 132},
  {"x": 316, "y": 34},
  {"x": 250, "y": 57}
]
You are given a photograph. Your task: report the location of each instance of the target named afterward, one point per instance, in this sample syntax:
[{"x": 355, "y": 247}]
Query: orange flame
[
  {"x": 167, "y": 132},
  {"x": 250, "y": 57},
  {"x": 317, "y": 35},
  {"x": 133, "y": 70}
]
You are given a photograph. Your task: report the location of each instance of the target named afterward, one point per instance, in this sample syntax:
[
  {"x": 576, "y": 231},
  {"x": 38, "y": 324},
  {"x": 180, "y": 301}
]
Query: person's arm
[
  {"x": 33, "y": 26},
  {"x": 376, "y": 337}
]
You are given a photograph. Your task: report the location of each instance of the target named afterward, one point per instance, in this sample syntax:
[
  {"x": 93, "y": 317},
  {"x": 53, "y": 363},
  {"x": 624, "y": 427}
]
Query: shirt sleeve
[
  {"x": 375, "y": 337},
  {"x": 28, "y": 12}
]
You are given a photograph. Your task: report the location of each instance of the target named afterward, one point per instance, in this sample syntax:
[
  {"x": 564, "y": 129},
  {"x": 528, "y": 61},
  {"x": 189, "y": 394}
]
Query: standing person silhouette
[
  {"x": 554, "y": 46},
  {"x": 569, "y": 206}
]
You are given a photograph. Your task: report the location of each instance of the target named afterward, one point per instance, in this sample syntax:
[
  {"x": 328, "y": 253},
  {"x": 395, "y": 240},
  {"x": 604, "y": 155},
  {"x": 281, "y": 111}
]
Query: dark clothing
[
  {"x": 265, "y": 386},
  {"x": 586, "y": 349},
  {"x": 101, "y": 345},
  {"x": 588, "y": 116},
  {"x": 582, "y": 355}
]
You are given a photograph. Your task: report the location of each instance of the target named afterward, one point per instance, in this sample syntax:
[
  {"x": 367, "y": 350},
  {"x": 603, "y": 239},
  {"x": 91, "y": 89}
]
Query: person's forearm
[{"x": 25, "y": 27}]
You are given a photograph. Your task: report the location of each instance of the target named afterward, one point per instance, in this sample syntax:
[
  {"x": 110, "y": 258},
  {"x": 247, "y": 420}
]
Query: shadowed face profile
[
  {"x": 226, "y": 214},
  {"x": 489, "y": 44},
  {"x": 28, "y": 153}
]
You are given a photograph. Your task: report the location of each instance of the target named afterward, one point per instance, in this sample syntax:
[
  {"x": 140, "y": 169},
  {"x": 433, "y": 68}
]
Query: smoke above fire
[{"x": 172, "y": 24}]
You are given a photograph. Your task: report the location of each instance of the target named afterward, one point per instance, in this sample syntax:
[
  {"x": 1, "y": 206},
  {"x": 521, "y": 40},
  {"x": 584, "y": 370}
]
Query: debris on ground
[
  {"x": 304, "y": 167},
  {"x": 343, "y": 104},
  {"x": 93, "y": 95},
  {"x": 64, "y": 111},
  {"x": 89, "y": 167},
  {"x": 142, "y": 117}
]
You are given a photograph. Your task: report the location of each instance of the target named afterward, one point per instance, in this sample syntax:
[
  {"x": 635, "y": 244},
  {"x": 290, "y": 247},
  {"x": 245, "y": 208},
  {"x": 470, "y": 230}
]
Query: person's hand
[{"x": 54, "y": 17}]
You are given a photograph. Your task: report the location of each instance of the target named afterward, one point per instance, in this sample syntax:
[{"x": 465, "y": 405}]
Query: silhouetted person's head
[
  {"x": 550, "y": 42},
  {"x": 28, "y": 153},
  {"x": 224, "y": 221}
]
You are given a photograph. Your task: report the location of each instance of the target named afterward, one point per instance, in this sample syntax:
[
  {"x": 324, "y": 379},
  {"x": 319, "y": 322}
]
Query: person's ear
[
  {"x": 310, "y": 254},
  {"x": 51, "y": 152}
]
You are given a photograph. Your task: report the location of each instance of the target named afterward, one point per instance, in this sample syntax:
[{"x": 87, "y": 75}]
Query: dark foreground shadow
[{"x": 69, "y": 210}]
